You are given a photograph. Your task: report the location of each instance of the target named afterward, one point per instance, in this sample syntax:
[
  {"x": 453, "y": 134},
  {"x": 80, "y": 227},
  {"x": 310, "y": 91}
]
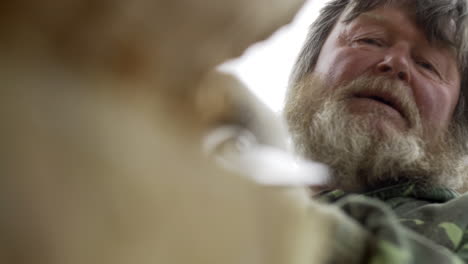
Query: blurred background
[{"x": 265, "y": 66}]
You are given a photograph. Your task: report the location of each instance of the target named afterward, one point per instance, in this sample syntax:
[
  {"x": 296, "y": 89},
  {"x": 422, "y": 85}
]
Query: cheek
[
  {"x": 343, "y": 66},
  {"x": 436, "y": 104}
]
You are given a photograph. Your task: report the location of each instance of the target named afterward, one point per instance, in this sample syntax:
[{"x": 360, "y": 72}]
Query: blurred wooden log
[{"x": 100, "y": 138}]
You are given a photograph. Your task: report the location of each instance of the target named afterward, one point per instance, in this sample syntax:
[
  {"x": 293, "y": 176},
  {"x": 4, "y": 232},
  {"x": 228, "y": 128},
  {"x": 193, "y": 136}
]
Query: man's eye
[
  {"x": 426, "y": 65},
  {"x": 371, "y": 41}
]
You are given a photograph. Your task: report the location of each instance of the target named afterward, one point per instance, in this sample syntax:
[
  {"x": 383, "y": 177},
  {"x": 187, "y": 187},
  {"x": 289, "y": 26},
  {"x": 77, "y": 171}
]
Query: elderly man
[{"x": 378, "y": 94}]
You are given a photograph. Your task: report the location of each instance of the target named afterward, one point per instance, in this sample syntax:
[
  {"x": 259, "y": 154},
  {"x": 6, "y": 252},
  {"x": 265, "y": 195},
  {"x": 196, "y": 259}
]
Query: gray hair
[{"x": 443, "y": 21}]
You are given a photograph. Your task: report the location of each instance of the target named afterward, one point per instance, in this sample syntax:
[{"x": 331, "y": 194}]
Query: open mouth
[{"x": 384, "y": 98}]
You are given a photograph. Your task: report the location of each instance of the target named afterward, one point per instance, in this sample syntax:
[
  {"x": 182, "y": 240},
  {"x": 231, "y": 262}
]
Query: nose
[{"x": 395, "y": 63}]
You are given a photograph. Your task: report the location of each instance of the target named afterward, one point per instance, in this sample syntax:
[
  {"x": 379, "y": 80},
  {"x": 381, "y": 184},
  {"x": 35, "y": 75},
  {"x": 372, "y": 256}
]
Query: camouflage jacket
[{"x": 404, "y": 223}]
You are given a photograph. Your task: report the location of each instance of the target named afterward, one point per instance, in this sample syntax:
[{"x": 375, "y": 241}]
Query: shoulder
[{"x": 445, "y": 223}]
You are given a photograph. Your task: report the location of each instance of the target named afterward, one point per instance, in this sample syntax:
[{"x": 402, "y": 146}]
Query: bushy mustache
[{"x": 398, "y": 91}]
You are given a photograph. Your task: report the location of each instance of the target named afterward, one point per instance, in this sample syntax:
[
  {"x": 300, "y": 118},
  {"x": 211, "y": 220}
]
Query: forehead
[
  {"x": 388, "y": 16},
  {"x": 393, "y": 20},
  {"x": 438, "y": 19},
  {"x": 399, "y": 21}
]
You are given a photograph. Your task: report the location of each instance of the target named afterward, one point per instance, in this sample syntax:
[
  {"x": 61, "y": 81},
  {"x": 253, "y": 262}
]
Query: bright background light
[{"x": 265, "y": 67}]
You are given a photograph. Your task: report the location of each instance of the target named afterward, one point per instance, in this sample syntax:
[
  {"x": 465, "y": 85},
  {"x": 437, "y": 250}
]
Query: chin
[{"x": 380, "y": 126}]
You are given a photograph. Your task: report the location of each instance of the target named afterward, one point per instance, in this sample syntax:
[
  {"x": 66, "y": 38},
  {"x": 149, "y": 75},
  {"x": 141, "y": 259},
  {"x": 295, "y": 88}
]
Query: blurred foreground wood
[{"x": 101, "y": 134}]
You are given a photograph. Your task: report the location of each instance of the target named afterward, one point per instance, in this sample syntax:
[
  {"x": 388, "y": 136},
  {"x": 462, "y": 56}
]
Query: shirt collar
[{"x": 414, "y": 190}]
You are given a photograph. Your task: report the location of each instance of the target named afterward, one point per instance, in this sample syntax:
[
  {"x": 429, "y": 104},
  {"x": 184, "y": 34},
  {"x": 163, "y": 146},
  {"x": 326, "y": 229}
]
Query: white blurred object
[
  {"x": 238, "y": 150},
  {"x": 265, "y": 66}
]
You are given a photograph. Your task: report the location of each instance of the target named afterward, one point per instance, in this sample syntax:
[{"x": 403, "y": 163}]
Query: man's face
[
  {"x": 379, "y": 104},
  {"x": 386, "y": 42}
]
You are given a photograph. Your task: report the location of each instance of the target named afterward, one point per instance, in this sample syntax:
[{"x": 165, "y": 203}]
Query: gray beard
[{"x": 362, "y": 159}]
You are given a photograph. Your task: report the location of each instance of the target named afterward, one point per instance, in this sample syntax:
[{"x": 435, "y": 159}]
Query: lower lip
[
  {"x": 363, "y": 105},
  {"x": 371, "y": 104}
]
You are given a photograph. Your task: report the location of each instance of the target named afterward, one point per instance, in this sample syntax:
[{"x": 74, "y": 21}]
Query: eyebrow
[{"x": 387, "y": 22}]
